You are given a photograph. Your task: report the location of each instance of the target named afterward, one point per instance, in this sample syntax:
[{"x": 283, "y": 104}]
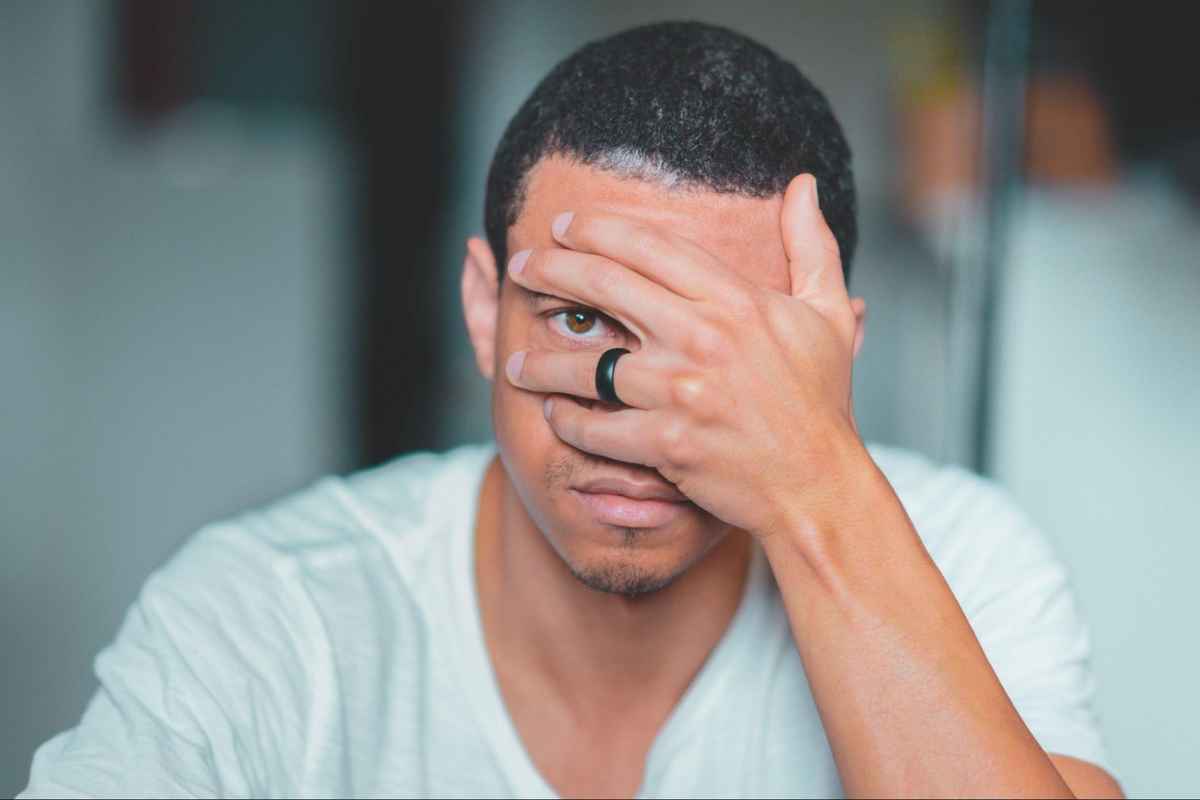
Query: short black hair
[{"x": 701, "y": 104}]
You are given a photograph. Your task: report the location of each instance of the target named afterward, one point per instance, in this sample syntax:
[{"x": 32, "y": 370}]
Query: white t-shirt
[{"x": 330, "y": 645}]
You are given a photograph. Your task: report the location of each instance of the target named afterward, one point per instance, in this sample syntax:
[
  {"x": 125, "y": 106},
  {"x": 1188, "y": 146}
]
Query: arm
[
  {"x": 907, "y": 696},
  {"x": 1086, "y": 779}
]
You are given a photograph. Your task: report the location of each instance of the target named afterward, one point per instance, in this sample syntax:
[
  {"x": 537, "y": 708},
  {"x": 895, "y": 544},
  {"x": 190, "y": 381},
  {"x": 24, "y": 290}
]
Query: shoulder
[
  {"x": 263, "y": 584},
  {"x": 397, "y": 506},
  {"x": 416, "y": 490},
  {"x": 232, "y": 665}
]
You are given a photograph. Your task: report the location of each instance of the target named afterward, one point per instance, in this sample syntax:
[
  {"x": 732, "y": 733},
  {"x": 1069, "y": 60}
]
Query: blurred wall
[
  {"x": 173, "y": 314},
  {"x": 1098, "y": 387}
]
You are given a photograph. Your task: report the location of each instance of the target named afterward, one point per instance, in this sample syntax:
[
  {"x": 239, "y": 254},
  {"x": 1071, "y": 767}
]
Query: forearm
[{"x": 907, "y": 697}]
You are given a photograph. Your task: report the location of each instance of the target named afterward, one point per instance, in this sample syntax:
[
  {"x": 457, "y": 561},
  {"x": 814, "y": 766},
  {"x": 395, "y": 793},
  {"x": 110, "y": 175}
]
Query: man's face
[{"x": 641, "y": 555}]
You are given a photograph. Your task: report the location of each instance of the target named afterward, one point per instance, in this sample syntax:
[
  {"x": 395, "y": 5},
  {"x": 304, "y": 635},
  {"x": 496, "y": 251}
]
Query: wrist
[{"x": 852, "y": 505}]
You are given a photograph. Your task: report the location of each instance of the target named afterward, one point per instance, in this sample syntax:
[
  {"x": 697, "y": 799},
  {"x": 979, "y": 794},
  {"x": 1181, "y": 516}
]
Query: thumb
[{"x": 814, "y": 262}]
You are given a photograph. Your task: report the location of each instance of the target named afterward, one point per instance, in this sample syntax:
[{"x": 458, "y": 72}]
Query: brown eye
[
  {"x": 581, "y": 324},
  {"x": 580, "y": 321}
]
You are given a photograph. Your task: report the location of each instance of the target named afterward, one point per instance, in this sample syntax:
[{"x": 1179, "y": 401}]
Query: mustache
[{"x": 570, "y": 469}]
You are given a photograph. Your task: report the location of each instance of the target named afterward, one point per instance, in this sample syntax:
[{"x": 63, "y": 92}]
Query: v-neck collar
[{"x": 730, "y": 656}]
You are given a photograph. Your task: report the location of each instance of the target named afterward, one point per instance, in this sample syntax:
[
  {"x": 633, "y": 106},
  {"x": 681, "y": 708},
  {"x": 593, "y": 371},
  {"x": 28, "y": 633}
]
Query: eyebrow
[{"x": 535, "y": 299}]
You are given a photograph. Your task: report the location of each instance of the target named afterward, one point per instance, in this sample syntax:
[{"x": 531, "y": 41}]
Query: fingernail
[
  {"x": 512, "y": 368},
  {"x": 812, "y": 191},
  {"x": 546, "y": 406},
  {"x": 559, "y": 226},
  {"x": 517, "y": 262}
]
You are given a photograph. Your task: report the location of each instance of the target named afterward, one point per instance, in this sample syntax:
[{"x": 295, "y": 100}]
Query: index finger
[
  {"x": 642, "y": 305},
  {"x": 665, "y": 257}
]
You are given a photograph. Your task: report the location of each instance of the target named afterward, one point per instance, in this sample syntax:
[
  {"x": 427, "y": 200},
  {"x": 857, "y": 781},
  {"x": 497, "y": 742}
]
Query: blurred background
[{"x": 231, "y": 236}]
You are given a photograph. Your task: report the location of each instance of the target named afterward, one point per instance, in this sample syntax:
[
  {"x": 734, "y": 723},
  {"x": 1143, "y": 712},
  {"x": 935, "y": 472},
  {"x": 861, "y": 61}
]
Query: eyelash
[{"x": 571, "y": 336}]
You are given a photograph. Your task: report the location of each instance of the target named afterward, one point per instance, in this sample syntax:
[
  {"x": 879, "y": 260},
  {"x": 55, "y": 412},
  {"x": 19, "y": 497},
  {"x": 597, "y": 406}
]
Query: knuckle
[
  {"x": 602, "y": 279},
  {"x": 644, "y": 240},
  {"x": 705, "y": 343},
  {"x": 689, "y": 392},
  {"x": 675, "y": 444}
]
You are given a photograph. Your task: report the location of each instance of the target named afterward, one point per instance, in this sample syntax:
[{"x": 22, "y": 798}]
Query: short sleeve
[
  {"x": 1019, "y": 600},
  {"x": 198, "y": 695}
]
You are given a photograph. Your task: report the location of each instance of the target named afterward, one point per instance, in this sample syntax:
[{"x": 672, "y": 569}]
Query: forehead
[{"x": 741, "y": 231}]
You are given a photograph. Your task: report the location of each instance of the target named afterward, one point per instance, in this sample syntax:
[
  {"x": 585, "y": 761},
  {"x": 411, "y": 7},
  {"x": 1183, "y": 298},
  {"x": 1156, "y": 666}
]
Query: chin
[
  {"x": 624, "y": 559},
  {"x": 625, "y": 577}
]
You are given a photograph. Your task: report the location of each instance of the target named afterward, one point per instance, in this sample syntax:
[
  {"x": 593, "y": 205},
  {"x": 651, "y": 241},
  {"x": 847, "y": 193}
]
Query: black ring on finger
[{"x": 606, "y": 371}]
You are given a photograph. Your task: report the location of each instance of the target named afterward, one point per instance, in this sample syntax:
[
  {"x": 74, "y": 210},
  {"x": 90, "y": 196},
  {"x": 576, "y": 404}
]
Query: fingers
[
  {"x": 636, "y": 383},
  {"x": 628, "y": 434},
  {"x": 814, "y": 262},
  {"x": 665, "y": 258},
  {"x": 638, "y": 303}
]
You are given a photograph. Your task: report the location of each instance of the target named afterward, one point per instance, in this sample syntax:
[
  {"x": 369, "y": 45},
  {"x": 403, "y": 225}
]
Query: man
[{"x": 677, "y": 571}]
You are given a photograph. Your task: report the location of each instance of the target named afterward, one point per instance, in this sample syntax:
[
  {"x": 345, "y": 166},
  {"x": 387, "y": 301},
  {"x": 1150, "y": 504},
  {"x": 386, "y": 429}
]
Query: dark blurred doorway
[{"x": 385, "y": 72}]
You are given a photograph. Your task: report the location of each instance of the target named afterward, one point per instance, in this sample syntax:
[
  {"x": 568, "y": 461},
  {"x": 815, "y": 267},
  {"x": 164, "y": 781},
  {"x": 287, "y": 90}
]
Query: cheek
[
  {"x": 517, "y": 417},
  {"x": 525, "y": 440},
  {"x": 531, "y": 453}
]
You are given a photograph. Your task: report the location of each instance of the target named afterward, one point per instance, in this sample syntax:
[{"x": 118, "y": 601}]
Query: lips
[
  {"x": 637, "y": 490},
  {"x": 624, "y": 502}
]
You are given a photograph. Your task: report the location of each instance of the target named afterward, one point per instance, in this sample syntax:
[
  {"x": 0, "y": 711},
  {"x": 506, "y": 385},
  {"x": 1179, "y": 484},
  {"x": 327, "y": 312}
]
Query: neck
[{"x": 591, "y": 649}]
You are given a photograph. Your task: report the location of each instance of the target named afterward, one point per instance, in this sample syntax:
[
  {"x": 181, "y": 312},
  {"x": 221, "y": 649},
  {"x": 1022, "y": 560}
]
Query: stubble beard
[{"x": 622, "y": 577}]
